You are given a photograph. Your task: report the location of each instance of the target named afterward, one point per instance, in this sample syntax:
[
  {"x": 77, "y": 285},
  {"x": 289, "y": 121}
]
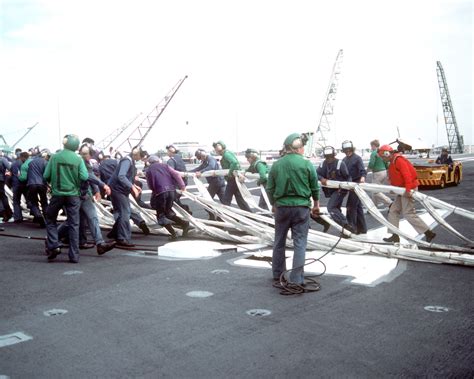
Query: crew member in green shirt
[
  {"x": 292, "y": 183},
  {"x": 229, "y": 161},
  {"x": 379, "y": 173},
  {"x": 257, "y": 167},
  {"x": 65, "y": 171}
]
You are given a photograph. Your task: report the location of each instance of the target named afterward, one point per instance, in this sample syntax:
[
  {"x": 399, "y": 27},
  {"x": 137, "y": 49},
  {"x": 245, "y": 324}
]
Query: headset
[
  {"x": 85, "y": 149},
  {"x": 329, "y": 150},
  {"x": 385, "y": 151},
  {"x": 346, "y": 145},
  {"x": 199, "y": 153},
  {"x": 44, "y": 153},
  {"x": 71, "y": 142},
  {"x": 138, "y": 150},
  {"x": 251, "y": 153}
]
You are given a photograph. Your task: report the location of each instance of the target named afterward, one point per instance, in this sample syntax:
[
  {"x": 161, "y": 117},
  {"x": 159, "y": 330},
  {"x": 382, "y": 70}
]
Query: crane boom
[
  {"x": 138, "y": 135},
  {"x": 455, "y": 139},
  {"x": 24, "y": 135},
  {"x": 327, "y": 111},
  {"x": 107, "y": 141}
]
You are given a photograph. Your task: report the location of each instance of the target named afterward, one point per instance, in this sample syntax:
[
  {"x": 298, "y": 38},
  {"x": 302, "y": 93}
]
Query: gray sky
[{"x": 258, "y": 70}]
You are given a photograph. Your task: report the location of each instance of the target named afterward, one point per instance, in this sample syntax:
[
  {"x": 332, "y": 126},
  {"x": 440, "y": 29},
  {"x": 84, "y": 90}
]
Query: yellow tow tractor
[{"x": 431, "y": 174}]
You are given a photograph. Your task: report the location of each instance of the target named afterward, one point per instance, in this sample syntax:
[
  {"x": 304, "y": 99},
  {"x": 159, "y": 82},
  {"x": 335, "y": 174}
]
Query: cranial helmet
[
  {"x": 347, "y": 145},
  {"x": 251, "y": 153},
  {"x": 329, "y": 151},
  {"x": 71, "y": 142},
  {"x": 385, "y": 150},
  {"x": 199, "y": 153},
  {"x": 220, "y": 142}
]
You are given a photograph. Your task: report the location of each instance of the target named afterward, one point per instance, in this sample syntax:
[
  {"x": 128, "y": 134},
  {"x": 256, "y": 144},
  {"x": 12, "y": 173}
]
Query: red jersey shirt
[{"x": 402, "y": 173}]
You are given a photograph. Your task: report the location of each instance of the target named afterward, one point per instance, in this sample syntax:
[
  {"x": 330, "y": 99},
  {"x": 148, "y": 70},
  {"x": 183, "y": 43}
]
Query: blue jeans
[
  {"x": 88, "y": 218},
  {"x": 296, "y": 219},
  {"x": 334, "y": 207},
  {"x": 122, "y": 212},
  {"x": 72, "y": 204},
  {"x": 232, "y": 190},
  {"x": 355, "y": 213}
]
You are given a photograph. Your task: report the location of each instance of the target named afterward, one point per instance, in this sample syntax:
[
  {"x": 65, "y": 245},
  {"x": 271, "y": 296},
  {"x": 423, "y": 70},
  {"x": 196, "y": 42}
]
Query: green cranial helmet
[
  {"x": 289, "y": 140},
  {"x": 71, "y": 142},
  {"x": 250, "y": 153},
  {"x": 220, "y": 142}
]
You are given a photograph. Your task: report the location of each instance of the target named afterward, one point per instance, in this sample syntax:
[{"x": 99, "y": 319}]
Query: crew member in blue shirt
[{"x": 358, "y": 173}]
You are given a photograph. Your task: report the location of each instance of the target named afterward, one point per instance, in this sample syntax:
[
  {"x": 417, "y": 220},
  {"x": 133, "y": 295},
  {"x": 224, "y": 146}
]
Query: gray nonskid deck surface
[{"x": 128, "y": 316}]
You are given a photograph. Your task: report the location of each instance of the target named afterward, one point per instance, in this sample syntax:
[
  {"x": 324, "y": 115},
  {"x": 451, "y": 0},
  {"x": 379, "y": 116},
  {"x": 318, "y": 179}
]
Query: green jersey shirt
[
  {"x": 229, "y": 161},
  {"x": 376, "y": 163},
  {"x": 292, "y": 181},
  {"x": 65, "y": 171}
]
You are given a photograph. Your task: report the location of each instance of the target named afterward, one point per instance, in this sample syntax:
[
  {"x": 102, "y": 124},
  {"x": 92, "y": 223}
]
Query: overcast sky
[{"x": 258, "y": 70}]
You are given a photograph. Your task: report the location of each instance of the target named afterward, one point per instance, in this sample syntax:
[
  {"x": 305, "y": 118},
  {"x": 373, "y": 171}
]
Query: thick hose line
[{"x": 311, "y": 285}]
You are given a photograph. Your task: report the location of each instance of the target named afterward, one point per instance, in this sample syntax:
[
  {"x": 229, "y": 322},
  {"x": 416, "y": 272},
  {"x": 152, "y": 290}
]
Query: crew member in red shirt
[{"x": 401, "y": 173}]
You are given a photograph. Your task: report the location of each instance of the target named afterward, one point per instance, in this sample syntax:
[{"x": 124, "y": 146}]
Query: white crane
[{"x": 327, "y": 111}]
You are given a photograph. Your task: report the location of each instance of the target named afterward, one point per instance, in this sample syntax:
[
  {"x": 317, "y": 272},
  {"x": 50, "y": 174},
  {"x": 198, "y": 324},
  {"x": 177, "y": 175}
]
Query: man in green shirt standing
[
  {"x": 230, "y": 161},
  {"x": 292, "y": 182},
  {"x": 379, "y": 172},
  {"x": 257, "y": 167},
  {"x": 65, "y": 172}
]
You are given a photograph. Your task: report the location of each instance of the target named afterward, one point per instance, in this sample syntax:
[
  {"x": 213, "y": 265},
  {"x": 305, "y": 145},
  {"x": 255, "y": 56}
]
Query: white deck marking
[{"x": 14, "y": 338}]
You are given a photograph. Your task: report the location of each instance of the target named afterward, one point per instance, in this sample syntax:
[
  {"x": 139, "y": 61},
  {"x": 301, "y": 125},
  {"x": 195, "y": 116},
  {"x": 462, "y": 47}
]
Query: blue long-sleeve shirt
[
  {"x": 4, "y": 165},
  {"x": 15, "y": 170},
  {"x": 35, "y": 171},
  {"x": 355, "y": 166},
  {"x": 209, "y": 164}
]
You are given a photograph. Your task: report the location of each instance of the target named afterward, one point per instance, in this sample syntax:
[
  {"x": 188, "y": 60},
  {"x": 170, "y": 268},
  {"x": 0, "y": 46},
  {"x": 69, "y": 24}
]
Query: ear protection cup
[
  {"x": 71, "y": 142},
  {"x": 385, "y": 151},
  {"x": 199, "y": 153}
]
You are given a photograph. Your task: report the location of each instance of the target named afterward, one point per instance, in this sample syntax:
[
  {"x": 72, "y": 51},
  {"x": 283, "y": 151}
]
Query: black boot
[
  {"x": 429, "y": 235},
  {"x": 144, "y": 228},
  {"x": 394, "y": 238},
  {"x": 173, "y": 236}
]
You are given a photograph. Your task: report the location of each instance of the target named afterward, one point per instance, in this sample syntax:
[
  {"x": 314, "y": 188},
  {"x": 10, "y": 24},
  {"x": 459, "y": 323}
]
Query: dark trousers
[
  {"x": 121, "y": 204},
  {"x": 163, "y": 205},
  {"x": 19, "y": 190},
  {"x": 216, "y": 188},
  {"x": 355, "y": 213},
  {"x": 232, "y": 190},
  {"x": 72, "y": 205},
  {"x": 37, "y": 194},
  {"x": 334, "y": 207},
  {"x": 296, "y": 219},
  {"x": 4, "y": 206}
]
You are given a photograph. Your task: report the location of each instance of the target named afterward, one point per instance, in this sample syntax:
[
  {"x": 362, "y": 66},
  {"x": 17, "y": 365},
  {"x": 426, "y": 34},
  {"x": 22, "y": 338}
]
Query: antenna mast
[
  {"x": 138, "y": 135},
  {"x": 455, "y": 140},
  {"x": 327, "y": 111}
]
